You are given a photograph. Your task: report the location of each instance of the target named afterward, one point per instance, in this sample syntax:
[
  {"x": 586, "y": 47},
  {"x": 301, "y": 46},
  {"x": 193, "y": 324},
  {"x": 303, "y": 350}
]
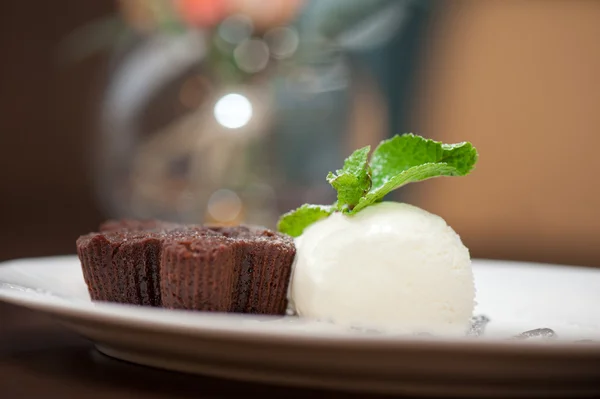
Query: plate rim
[{"x": 78, "y": 311}]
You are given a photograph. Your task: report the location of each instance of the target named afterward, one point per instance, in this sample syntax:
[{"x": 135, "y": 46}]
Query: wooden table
[{"x": 41, "y": 359}]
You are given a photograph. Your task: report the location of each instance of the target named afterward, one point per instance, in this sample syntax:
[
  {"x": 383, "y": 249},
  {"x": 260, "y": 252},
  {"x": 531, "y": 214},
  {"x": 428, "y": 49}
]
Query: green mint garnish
[
  {"x": 353, "y": 181},
  {"x": 294, "y": 222},
  {"x": 409, "y": 158},
  {"x": 394, "y": 163}
]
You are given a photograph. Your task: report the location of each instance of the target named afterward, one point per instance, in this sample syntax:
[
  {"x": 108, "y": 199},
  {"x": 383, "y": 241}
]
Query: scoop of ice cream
[{"x": 392, "y": 266}]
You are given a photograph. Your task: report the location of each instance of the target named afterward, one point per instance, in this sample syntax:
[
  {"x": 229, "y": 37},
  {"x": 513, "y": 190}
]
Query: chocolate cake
[
  {"x": 198, "y": 274},
  {"x": 122, "y": 264},
  {"x": 228, "y": 269},
  {"x": 245, "y": 269}
]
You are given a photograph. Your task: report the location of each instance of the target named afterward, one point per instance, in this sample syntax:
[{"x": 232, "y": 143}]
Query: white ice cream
[{"x": 392, "y": 266}]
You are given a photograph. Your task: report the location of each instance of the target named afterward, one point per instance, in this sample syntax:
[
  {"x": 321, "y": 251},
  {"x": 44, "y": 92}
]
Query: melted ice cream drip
[
  {"x": 478, "y": 324},
  {"x": 543, "y": 333}
]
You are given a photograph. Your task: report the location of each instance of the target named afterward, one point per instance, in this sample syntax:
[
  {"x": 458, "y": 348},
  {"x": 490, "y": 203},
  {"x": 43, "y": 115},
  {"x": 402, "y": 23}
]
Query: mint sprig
[
  {"x": 394, "y": 163},
  {"x": 294, "y": 222},
  {"x": 353, "y": 181},
  {"x": 410, "y": 158}
]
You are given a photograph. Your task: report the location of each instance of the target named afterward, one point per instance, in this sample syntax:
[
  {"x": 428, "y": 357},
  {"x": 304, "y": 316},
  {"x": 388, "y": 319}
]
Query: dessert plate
[{"x": 285, "y": 350}]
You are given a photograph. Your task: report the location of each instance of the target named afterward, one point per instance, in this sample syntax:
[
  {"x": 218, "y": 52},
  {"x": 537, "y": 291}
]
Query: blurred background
[{"x": 234, "y": 111}]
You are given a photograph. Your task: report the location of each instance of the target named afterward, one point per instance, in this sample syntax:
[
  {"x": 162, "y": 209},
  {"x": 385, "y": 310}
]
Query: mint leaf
[
  {"x": 409, "y": 158},
  {"x": 294, "y": 222},
  {"x": 394, "y": 163},
  {"x": 353, "y": 181}
]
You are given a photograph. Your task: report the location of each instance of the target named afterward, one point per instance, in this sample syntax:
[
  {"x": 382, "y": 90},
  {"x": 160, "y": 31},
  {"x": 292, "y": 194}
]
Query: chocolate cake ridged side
[
  {"x": 95, "y": 255},
  {"x": 136, "y": 265},
  {"x": 241, "y": 290},
  {"x": 171, "y": 287},
  {"x": 282, "y": 278},
  {"x": 268, "y": 278},
  {"x": 223, "y": 278},
  {"x": 123, "y": 274},
  {"x": 195, "y": 276},
  {"x": 273, "y": 293},
  {"x": 150, "y": 286}
]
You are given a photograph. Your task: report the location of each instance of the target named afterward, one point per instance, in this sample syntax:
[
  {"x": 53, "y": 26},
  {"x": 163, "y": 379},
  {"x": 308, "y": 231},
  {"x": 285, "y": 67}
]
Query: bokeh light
[
  {"x": 224, "y": 206},
  {"x": 252, "y": 55},
  {"x": 233, "y": 111},
  {"x": 282, "y": 42},
  {"x": 235, "y": 29}
]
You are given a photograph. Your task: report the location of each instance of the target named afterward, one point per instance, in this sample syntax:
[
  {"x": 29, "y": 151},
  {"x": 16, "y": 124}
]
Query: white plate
[{"x": 515, "y": 296}]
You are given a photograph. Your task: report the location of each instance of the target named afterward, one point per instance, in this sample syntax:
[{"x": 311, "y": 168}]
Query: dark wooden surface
[{"x": 41, "y": 359}]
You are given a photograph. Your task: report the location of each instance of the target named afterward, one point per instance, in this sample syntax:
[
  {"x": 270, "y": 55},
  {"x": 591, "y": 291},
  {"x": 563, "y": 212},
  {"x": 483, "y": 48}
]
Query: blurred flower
[
  {"x": 202, "y": 13},
  {"x": 148, "y": 15}
]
